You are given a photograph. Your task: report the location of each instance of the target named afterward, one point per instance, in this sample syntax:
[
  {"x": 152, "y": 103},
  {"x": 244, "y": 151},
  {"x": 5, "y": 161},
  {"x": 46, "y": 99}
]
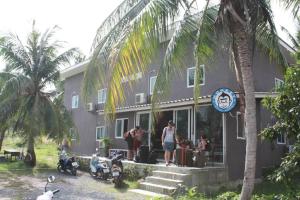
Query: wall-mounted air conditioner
[
  {"x": 89, "y": 107},
  {"x": 140, "y": 98}
]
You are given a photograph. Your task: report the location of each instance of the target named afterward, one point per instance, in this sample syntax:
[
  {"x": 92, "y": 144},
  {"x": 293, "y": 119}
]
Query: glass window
[
  {"x": 281, "y": 139},
  {"x": 240, "y": 126},
  {"x": 75, "y": 101},
  {"x": 72, "y": 134},
  {"x": 209, "y": 122},
  {"x": 121, "y": 127},
  {"x": 182, "y": 126},
  {"x": 278, "y": 84},
  {"x": 152, "y": 84},
  {"x": 100, "y": 132},
  {"x": 191, "y": 74},
  {"x": 102, "y": 95}
]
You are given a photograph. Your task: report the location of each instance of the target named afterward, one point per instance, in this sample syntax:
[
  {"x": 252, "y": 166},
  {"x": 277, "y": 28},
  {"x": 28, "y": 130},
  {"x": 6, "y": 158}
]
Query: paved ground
[{"x": 83, "y": 187}]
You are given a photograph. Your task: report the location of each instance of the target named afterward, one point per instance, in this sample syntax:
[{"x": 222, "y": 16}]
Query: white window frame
[
  {"x": 238, "y": 115},
  {"x": 187, "y": 76},
  {"x": 122, "y": 127},
  {"x": 284, "y": 138},
  {"x": 75, "y": 101},
  {"x": 102, "y": 99},
  {"x": 277, "y": 80},
  {"x": 104, "y": 133},
  {"x": 150, "y": 88},
  {"x": 70, "y": 132}
]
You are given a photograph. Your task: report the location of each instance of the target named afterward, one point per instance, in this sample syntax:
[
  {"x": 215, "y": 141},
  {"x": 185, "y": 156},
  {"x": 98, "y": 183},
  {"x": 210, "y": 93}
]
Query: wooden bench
[{"x": 12, "y": 153}]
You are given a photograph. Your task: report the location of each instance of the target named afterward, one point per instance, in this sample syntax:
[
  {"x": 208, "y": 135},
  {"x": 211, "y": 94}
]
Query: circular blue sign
[{"x": 223, "y": 100}]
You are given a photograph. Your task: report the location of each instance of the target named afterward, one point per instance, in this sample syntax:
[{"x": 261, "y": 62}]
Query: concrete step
[
  {"x": 148, "y": 193},
  {"x": 162, "y": 189},
  {"x": 163, "y": 181},
  {"x": 171, "y": 175}
]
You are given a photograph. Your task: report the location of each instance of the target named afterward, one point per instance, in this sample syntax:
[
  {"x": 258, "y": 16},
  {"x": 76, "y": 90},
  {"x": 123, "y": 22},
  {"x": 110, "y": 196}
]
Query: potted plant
[{"x": 107, "y": 143}]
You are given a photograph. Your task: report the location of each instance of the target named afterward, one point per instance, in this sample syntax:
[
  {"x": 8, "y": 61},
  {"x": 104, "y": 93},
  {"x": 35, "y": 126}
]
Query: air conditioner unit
[
  {"x": 140, "y": 98},
  {"x": 89, "y": 107}
]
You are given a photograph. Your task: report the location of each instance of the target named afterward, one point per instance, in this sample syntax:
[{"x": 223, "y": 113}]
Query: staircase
[{"x": 164, "y": 181}]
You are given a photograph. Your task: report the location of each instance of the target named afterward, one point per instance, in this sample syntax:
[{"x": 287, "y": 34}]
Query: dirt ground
[{"x": 20, "y": 186}]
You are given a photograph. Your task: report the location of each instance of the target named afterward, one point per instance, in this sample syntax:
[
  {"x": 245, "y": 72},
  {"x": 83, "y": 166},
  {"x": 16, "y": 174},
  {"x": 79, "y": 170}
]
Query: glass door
[
  {"x": 143, "y": 120},
  {"x": 182, "y": 121}
]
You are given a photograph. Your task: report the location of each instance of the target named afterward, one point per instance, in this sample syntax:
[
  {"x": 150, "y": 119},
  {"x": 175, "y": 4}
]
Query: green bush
[
  {"x": 147, "y": 171},
  {"x": 131, "y": 173},
  {"x": 228, "y": 196}
]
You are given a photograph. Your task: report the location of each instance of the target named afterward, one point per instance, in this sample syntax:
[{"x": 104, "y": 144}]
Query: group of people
[
  {"x": 134, "y": 141},
  {"x": 171, "y": 141}
]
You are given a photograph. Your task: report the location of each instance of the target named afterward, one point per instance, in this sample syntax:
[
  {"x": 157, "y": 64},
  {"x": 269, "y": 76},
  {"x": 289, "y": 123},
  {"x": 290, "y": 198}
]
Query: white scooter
[{"x": 48, "y": 195}]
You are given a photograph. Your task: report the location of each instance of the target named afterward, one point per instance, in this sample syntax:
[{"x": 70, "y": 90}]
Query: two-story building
[{"x": 225, "y": 131}]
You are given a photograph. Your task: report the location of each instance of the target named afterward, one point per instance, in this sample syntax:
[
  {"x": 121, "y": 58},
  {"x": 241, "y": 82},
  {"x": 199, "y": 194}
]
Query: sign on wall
[{"x": 224, "y": 100}]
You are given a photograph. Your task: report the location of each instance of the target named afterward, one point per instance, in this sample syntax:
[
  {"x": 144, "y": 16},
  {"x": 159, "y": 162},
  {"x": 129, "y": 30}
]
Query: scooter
[
  {"x": 99, "y": 168},
  {"x": 67, "y": 164},
  {"x": 48, "y": 195},
  {"x": 117, "y": 169}
]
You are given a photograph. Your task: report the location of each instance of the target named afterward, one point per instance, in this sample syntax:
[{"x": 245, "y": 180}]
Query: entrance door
[
  {"x": 143, "y": 120},
  {"x": 182, "y": 121}
]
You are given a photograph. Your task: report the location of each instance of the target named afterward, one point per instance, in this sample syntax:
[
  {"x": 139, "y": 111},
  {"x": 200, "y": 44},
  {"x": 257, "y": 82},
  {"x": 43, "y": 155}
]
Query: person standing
[
  {"x": 129, "y": 138},
  {"x": 168, "y": 141}
]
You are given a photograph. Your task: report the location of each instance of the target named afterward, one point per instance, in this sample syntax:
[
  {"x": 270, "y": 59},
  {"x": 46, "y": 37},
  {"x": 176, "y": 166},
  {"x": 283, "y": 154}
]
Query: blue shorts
[{"x": 169, "y": 146}]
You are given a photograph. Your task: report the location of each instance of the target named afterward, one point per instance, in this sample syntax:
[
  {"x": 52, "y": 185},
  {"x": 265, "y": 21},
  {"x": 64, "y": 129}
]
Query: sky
[{"x": 79, "y": 19}]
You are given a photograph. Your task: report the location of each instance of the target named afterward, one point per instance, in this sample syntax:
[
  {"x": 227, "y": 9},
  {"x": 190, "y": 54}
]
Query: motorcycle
[
  {"x": 117, "y": 169},
  {"x": 48, "y": 195},
  {"x": 67, "y": 164},
  {"x": 99, "y": 168}
]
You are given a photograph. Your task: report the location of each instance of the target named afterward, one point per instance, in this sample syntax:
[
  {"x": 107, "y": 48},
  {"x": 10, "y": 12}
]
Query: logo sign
[{"x": 223, "y": 100}]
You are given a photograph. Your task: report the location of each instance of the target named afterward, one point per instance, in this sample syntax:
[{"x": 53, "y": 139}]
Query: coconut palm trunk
[
  {"x": 30, "y": 158},
  {"x": 244, "y": 53},
  {"x": 2, "y": 135}
]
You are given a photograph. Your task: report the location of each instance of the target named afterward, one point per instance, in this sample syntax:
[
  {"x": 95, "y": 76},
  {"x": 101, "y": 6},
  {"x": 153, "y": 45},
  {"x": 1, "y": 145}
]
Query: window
[
  {"x": 121, "y": 127},
  {"x": 281, "y": 139},
  {"x": 278, "y": 84},
  {"x": 72, "y": 134},
  {"x": 75, "y": 101},
  {"x": 240, "y": 126},
  {"x": 102, "y": 95},
  {"x": 152, "y": 84},
  {"x": 191, "y": 76},
  {"x": 100, "y": 132}
]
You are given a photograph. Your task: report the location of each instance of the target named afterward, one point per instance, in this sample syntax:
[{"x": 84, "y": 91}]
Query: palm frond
[
  {"x": 266, "y": 35},
  {"x": 130, "y": 51},
  {"x": 293, "y": 4},
  {"x": 296, "y": 43}
]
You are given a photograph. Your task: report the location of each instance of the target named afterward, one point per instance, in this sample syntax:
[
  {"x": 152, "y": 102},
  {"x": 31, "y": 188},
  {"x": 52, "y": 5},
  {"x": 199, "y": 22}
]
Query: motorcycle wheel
[
  {"x": 74, "y": 172},
  {"x": 59, "y": 168}
]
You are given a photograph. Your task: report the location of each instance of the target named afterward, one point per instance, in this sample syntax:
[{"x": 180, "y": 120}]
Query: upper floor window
[
  {"x": 191, "y": 75},
  {"x": 102, "y": 95},
  {"x": 75, "y": 101},
  {"x": 278, "y": 84},
  {"x": 281, "y": 139},
  {"x": 100, "y": 132},
  {"x": 121, "y": 127},
  {"x": 152, "y": 84}
]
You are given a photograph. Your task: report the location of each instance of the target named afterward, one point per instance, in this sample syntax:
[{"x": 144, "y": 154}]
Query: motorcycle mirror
[{"x": 51, "y": 179}]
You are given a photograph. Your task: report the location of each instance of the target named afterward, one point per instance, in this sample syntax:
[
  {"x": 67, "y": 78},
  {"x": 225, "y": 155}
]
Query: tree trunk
[
  {"x": 30, "y": 158},
  {"x": 2, "y": 135},
  {"x": 243, "y": 45}
]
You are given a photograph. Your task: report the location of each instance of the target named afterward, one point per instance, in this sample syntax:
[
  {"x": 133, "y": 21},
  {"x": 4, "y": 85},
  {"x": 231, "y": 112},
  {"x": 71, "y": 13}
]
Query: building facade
[{"x": 225, "y": 131}]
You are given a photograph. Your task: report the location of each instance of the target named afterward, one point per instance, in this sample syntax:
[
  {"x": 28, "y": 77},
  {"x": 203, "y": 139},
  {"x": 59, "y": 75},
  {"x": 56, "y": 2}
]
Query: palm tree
[
  {"x": 25, "y": 102},
  {"x": 130, "y": 37}
]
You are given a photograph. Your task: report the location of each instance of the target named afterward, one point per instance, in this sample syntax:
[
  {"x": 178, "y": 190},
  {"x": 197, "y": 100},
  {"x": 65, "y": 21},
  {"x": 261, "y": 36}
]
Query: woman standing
[{"x": 168, "y": 141}]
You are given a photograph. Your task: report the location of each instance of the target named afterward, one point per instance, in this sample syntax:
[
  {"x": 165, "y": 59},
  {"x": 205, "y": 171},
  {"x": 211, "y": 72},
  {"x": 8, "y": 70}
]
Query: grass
[{"x": 46, "y": 154}]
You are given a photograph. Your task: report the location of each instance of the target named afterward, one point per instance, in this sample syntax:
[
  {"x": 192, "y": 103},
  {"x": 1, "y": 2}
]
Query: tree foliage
[
  {"x": 286, "y": 109},
  {"x": 25, "y": 103}
]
